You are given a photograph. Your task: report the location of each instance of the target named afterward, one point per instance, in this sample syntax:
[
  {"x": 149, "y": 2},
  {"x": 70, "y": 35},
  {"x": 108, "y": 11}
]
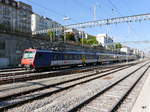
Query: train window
[
  {"x": 80, "y": 56},
  {"x": 75, "y": 57},
  {"x": 70, "y": 56},
  {"x": 90, "y": 57},
  {"x": 83, "y": 56},
  {"x": 102, "y": 56},
  {"x": 28, "y": 54},
  {"x": 56, "y": 57},
  {"x": 65, "y": 56},
  {"x": 39, "y": 55},
  {"x": 86, "y": 56}
]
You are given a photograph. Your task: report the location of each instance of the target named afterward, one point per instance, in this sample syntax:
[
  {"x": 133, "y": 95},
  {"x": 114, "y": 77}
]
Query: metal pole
[
  {"x": 94, "y": 12},
  {"x": 82, "y": 38},
  {"x": 65, "y": 18},
  {"x": 54, "y": 35},
  {"x": 64, "y": 35},
  {"x": 126, "y": 57}
]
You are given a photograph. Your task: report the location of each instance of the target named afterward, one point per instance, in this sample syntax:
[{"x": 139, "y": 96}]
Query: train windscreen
[{"x": 29, "y": 54}]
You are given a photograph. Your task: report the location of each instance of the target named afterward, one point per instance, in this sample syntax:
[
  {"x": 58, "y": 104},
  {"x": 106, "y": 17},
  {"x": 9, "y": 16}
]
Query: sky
[{"x": 82, "y": 11}]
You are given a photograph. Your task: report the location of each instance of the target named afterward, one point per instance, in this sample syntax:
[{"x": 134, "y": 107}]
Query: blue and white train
[{"x": 43, "y": 59}]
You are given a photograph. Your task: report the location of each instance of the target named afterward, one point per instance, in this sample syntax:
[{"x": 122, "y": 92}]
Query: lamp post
[{"x": 65, "y": 19}]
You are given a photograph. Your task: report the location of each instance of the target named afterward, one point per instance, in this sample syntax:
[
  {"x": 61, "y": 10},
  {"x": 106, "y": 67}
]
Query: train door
[
  {"x": 83, "y": 59},
  {"x": 43, "y": 59}
]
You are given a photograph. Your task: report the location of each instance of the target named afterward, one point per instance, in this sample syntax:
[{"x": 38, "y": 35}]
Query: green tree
[
  {"x": 70, "y": 36},
  {"x": 2, "y": 26},
  {"x": 118, "y": 46},
  {"x": 51, "y": 35},
  {"x": 91, "y": 40},
  {"x": 83, "y": 41},
  {"x": 111, "y": 47},
  {"x": 5, "y": 27}
]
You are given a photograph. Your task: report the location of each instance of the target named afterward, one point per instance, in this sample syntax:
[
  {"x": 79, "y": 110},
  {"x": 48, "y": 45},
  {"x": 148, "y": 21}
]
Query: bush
[{"x": 91, "y": 40}]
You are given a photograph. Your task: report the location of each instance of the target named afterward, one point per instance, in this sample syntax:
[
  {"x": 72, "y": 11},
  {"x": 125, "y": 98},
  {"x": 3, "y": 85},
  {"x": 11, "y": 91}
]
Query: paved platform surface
[{"x": 142, "y": 103}]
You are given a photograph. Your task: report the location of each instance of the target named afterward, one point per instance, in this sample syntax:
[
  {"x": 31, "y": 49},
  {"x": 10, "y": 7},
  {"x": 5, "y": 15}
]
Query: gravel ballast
[{"x": 67, "y": 100}]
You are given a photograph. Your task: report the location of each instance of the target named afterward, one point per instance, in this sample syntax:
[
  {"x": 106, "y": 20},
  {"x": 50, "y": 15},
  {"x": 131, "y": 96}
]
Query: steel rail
[
  {"x": 26, "y": 77},
  {"x": 82, "y": 104},
  {"x": 115, "y": 108},
  {"x": 53, "y": 92}
]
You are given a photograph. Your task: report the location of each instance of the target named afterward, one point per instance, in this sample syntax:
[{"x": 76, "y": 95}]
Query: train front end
[{"x": 28, "y": 58}]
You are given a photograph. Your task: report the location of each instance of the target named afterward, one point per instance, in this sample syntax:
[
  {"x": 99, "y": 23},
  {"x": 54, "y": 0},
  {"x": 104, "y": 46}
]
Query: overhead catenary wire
[
  {"x": 117, "y": 20},
  {"x": 48, "y": 9},
  {"x": 89, "y": 8},
  {"x": 136, "y": 42},
  {"x": 114, "y": 6},
  {"x": 84, "y": 7}
]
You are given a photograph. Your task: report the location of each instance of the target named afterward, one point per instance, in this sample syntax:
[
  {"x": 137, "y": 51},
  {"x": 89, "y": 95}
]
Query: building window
[
  {"x": 2, "y": 55},
  {"x": 7, "y": 1},
  {"x": 2, "y": 45}
]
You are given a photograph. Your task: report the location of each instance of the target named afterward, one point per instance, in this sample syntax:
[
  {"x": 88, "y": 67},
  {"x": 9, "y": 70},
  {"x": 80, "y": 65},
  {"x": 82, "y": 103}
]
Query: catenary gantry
[{"x": 117, "y": 20}]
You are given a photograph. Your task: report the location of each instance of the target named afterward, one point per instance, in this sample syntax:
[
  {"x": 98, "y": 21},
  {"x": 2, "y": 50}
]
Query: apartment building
[
  {"x": 15, "y": 16},
  {"x": 104, "y": 39},
  {"x": 39, "y": 22}
]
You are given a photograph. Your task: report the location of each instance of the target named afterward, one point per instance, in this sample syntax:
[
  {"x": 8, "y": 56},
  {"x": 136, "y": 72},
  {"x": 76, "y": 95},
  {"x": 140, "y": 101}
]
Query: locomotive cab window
[{"x": 29, "y": 54}]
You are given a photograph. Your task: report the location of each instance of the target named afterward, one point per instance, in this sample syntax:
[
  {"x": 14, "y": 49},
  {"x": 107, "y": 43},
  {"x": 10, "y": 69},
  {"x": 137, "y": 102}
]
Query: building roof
[{"x": 102, "y": 35}]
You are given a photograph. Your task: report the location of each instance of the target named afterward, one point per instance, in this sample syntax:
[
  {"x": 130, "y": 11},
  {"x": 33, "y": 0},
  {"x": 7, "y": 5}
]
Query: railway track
[
  {"x": 111, "y": 98},
  {"x": 17, "y": 71},
  {"x": 14, "y": 73},
  {"x": 48, "y": 90},
  {"x": 19, "y": 76},
  {"x": 130, "y": 100},
  {"x": 11, "y": 69}
]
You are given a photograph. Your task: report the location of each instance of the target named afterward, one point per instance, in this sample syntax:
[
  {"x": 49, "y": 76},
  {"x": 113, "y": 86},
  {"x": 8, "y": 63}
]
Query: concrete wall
[
  {"x": 14, "y": 46},
  {"x": 4, "y": 62}
]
